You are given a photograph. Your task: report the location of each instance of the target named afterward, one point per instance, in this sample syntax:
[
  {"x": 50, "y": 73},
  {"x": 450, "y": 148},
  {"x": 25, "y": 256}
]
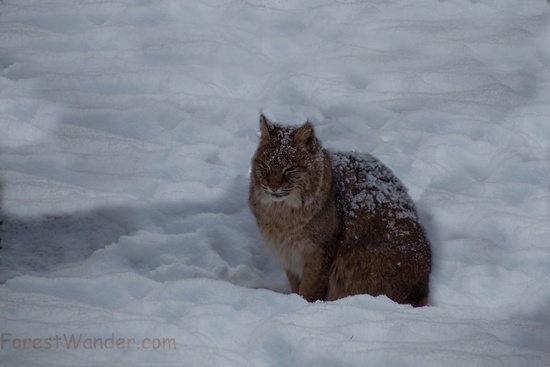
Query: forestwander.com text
[{"x": 80, "y": 341}]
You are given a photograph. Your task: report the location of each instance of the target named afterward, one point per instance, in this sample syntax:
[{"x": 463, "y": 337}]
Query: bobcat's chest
[
  {"x": 289, "y": 250},
  {"x": 283, "y": 229}
]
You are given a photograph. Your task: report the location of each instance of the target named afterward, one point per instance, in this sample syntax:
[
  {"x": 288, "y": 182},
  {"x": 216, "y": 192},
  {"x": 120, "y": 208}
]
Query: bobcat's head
[{"x": 287, "y": 165}]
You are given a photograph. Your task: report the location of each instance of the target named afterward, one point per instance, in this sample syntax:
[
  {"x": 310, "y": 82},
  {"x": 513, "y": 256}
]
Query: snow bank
[{"x": 126, "y": 132}]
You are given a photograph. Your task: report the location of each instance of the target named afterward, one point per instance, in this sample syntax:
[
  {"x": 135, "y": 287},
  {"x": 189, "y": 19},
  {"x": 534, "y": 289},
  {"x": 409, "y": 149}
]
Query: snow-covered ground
[{"x": 126, "y": 132}]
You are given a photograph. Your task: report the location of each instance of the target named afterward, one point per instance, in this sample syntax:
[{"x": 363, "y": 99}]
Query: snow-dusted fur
[{"x": 339, "y": 223}]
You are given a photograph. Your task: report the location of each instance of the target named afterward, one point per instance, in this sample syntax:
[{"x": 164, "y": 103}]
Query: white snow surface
[{"x": 126, "y": 132}]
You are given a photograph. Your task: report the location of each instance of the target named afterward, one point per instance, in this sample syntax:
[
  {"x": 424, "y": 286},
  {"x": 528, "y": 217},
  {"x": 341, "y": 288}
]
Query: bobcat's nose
[{"x": 273, "y": 187}]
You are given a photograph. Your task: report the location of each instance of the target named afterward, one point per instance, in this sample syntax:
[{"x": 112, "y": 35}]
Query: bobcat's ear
[
  {"x": 305, "y": 135},
  {"x": 266, "y": 127}
]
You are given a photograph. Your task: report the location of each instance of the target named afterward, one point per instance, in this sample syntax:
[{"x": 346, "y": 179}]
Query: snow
[{"x": 126, "y": 133}]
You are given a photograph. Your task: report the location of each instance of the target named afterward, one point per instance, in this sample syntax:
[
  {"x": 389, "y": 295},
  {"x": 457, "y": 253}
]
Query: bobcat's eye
[
  {"x": 264, "y": 167},
  {"x": 290, "y": 170}
]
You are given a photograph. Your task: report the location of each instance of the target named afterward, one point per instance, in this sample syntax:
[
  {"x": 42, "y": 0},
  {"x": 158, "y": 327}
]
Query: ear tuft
[{"x": 266, "y": 127}]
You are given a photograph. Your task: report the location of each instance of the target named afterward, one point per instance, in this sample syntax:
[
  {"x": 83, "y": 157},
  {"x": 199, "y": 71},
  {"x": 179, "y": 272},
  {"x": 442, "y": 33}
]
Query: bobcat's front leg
[
  {"x": 314, "y": 283},
  {"x": 294, "y": 281}
]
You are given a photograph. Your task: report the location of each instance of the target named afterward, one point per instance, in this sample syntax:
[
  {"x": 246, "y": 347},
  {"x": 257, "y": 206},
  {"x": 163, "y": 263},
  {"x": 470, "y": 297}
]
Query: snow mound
[{"x": 126, "y": 132}]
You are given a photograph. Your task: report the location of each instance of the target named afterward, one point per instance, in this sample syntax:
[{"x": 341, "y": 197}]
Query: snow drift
[{"x": 126, "y": 132}]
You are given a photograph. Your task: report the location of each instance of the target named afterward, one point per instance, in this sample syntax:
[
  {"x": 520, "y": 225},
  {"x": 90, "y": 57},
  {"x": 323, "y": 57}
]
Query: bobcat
[{"x": 339, "y": 223}]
